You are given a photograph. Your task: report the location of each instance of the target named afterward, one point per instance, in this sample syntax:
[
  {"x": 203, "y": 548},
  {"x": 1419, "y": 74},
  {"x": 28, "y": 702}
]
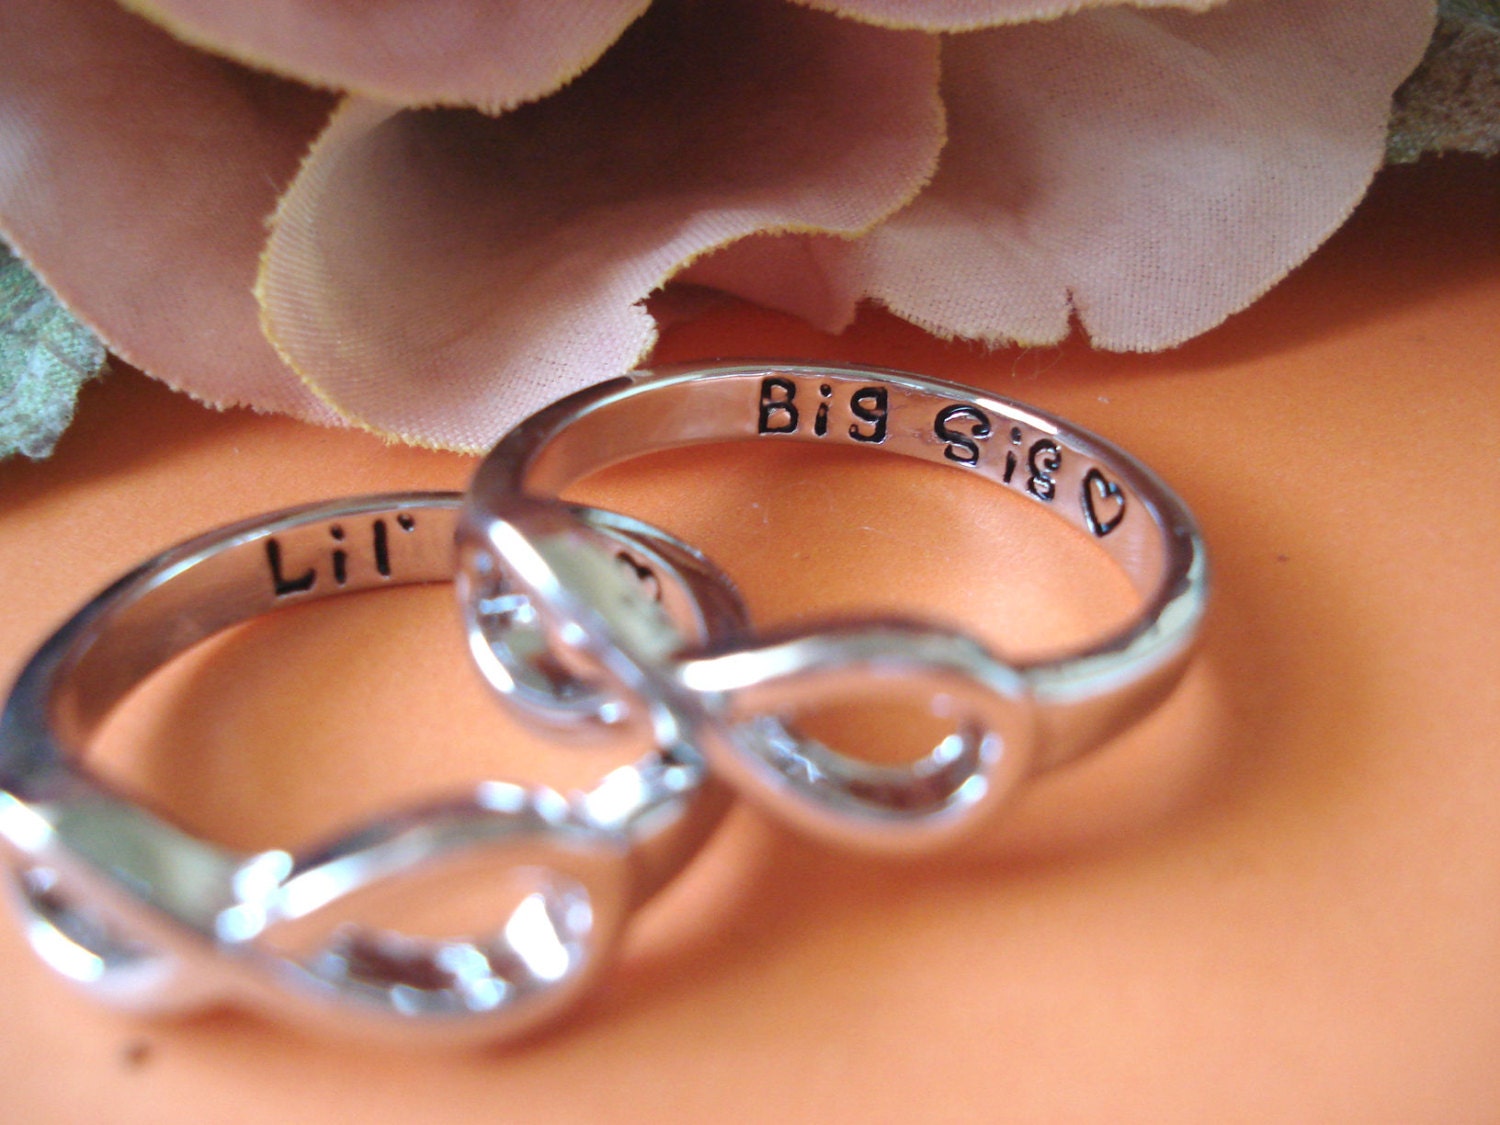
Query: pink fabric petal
[
  {"x": 439, "y": 274},
  {"x": 493, "y": 54},
  {"x": 969, "y": 15},
  {"x": 136, "y": 176},
  {"x": 1152, "y": 172},
  {"x": 813, "y": 276}
]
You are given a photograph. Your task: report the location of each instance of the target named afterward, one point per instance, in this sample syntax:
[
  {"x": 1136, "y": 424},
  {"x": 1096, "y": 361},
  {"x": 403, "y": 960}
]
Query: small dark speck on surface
[
  {"x": 1283, "y": 558},
  {"x": 135, "y": 1054}
]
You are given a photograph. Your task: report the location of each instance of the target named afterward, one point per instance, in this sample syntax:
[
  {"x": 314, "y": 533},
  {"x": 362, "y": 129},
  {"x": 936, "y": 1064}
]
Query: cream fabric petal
[
  {"x": 493, "y": 54},
  {"x": 969, "y": 15},
  {"x": 438, "y": 274},
  {"x": 1152, "y": 172},
  {"x": 135, "y": 176}
]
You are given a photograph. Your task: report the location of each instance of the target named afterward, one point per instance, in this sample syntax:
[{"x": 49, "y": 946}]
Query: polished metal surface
[
  {"x": 471, "y": 918},
  {"x": 738, "y": 699}
]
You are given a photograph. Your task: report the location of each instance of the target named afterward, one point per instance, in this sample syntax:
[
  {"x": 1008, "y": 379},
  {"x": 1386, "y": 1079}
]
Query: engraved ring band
[
  {"x": 737, "y": 699},
  {"x": 469, "y": 918},
  {"x": 481, "y": 915}
]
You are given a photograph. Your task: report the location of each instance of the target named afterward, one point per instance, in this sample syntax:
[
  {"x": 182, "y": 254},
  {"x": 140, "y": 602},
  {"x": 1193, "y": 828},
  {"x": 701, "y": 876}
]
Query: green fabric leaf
[
  {"x": 1451, "y": 102},
  {"x": 45, "y": 356}
]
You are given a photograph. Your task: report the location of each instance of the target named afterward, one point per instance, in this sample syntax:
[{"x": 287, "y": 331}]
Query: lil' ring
[
  {"x": 360, "y": 932},
  {"x": 737, "y": 700}
]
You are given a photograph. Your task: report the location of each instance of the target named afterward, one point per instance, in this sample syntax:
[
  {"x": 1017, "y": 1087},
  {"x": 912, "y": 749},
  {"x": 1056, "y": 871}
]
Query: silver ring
[
  {"x": 737, "y": 701},
  {"x": 357, "y": 934}
]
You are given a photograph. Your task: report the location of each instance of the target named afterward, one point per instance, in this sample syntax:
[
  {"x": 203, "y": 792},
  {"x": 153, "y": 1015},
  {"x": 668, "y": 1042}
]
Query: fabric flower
[{"x": 467, "y": 225}]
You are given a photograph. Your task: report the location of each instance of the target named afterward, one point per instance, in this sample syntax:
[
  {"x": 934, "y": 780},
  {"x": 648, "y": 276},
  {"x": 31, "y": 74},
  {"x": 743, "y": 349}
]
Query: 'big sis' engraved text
[
  {"x": 283, "y": 585},
  {"x": 964, "y": 431},
  {"x": 780, "y": 413},
  {"x": 962, "y": 428}
]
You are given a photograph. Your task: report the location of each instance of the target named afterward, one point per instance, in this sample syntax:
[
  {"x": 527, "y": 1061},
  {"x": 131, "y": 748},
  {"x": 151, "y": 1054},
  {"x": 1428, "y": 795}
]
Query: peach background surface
[{"x": 1278, "y": 899}]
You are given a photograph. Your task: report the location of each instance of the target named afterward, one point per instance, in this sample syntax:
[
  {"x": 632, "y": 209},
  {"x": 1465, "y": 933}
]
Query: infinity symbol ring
[
  {"x": 475, "y": 917},
  {"x": 479, "y": 915},
  {"x": 736, "y": 700}
]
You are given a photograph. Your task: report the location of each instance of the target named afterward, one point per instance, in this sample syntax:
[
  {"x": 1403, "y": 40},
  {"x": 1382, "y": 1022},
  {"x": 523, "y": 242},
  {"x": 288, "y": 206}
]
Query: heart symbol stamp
[{"x": 1098, "y": 489}]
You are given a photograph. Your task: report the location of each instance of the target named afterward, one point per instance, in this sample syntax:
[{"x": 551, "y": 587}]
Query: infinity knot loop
[
  {"x": 478, "y": 916},
  {"x": 739, "y": 701},
  {"x": 739, "y": 704},
  {"x": 475, "y": 917}
]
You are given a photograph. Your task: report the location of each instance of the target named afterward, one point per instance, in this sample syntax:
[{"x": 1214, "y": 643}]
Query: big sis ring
[
  {"x": 470, "y": 918},
  {"x": 738, "y": 701}
]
